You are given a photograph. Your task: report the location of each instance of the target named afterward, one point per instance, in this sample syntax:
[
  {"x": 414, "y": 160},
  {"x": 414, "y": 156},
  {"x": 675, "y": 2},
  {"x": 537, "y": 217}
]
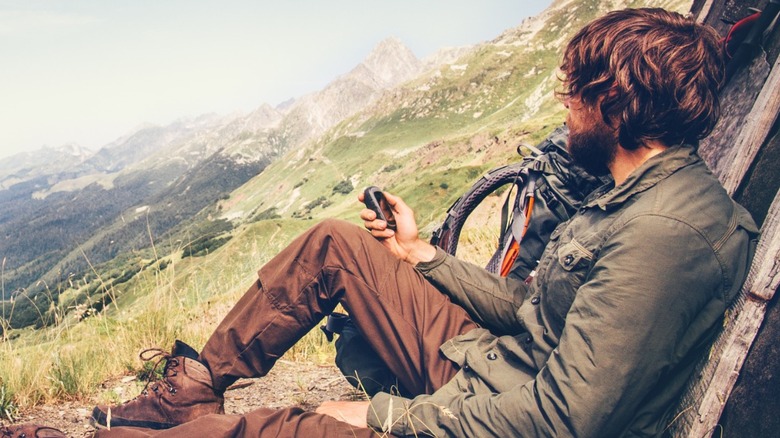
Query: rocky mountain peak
[
  {"x": 265, "y": 116},
  {"x": 73, "y": 150},
  {"x": 391, "y": 62}
]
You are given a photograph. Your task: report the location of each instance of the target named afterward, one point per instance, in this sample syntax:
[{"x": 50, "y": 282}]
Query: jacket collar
[{"x": 650, "y": 173}]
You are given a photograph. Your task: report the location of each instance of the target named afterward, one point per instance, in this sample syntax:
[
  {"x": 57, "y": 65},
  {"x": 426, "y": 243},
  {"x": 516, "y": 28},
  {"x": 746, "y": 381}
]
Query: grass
[
  {"x": 8, "y": 407},
  {"x": 184, "y": 301}
]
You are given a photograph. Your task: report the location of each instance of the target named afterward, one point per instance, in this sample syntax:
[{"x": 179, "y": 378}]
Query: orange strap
[
  {"x": 509, "y": 258},
  {"x": 514, "y": 247}
]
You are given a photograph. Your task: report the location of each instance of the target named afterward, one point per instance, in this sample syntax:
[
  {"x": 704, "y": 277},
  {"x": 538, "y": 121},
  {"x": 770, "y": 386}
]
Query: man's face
[{"x": 592, "y": 143}]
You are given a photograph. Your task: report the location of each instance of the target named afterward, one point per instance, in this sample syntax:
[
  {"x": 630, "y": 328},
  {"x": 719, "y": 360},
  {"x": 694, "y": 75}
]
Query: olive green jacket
[{"x": 629, "y": 294}]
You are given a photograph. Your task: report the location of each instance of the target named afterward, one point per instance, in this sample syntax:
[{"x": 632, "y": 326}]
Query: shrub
[
  {"x": 315, "y": 203},
  {"x": 344, "y": 187},
  {"x": 204, "y": 246},
  {"x": 267, "y": 215},
  {"x": 391, "y": 167}
]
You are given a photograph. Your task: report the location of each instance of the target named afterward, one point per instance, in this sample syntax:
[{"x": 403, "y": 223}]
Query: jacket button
[
  {"x": 568, "y": 259},
  {"x": 528, "y": 340},
  {"x": 535, "y": 300},
  {"x": 466, "y": 367},
  {"x": 492, "y": 356}
]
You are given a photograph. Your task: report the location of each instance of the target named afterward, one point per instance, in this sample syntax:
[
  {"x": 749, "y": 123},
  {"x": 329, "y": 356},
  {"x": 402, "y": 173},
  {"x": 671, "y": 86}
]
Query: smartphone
[{"x": 375, "y": 200}]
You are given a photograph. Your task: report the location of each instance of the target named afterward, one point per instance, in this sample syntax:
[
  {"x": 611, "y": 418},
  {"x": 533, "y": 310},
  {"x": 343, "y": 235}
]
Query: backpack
[{"x": 547, "y": 189}]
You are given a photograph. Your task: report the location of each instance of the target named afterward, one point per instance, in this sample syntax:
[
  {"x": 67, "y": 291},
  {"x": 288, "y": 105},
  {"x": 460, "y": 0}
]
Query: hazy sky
[{"x": 89, "y": 71}]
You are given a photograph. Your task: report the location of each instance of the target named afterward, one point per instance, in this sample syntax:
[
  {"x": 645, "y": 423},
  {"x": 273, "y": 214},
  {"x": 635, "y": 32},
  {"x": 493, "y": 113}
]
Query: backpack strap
[
  {"x": 524, "y": 206},
  {"x": 447, "y": 235},
  {"x": 505, "y": 223},
  {"x": 541, "y": 166}
]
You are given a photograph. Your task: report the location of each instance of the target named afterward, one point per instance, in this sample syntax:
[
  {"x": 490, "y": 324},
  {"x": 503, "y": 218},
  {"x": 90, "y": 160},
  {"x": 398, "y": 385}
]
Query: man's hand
[
  {"x": 354, "y": 413},
  {"x": 405, "y": 241}
]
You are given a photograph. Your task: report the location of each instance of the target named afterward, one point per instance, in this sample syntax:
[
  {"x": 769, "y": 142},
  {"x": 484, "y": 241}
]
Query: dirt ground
[{"x": 288, "y": 384}]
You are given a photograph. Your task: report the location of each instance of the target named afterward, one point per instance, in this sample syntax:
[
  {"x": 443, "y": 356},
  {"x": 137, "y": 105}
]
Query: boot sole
[{"x": 98, "y": 421}]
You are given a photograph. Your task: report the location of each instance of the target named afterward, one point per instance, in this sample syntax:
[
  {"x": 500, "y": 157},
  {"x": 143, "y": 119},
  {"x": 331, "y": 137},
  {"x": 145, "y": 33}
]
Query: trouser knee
[{"x": 336, "y": 229}]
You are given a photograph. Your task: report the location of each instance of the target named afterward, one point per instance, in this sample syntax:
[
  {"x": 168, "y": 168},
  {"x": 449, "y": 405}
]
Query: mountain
[
  {"x": 424, "y": 129},
  {"x": 389, "y": 64},
  {"x": 445, "y": 56},
  {"x": 148, "y": 141},
  {"x": 46, "y": 161},
  {"x": 59, "y": 207}
]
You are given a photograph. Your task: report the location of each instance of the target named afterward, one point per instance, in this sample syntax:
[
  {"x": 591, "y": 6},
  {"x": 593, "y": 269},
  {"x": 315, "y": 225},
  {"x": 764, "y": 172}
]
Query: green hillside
[
  {"x": 427, "y": 141},
  {"x": 445, "y": 128}
]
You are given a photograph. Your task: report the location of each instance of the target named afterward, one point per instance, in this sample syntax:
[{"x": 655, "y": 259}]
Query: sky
[{"x": 90, "y": 71}]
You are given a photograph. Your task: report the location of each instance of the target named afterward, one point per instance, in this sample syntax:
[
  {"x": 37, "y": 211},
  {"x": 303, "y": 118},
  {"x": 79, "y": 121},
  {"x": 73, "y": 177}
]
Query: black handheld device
[{"x": 375, "y": 200}]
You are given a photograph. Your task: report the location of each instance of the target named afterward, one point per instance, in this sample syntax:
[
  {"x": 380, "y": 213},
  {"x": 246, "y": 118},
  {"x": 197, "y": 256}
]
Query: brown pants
[{"x": 403, "y": 316}]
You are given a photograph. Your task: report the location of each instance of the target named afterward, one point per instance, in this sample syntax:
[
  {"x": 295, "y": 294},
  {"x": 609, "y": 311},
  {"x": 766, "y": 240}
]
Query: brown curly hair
[{"x": 656, "y": 72}]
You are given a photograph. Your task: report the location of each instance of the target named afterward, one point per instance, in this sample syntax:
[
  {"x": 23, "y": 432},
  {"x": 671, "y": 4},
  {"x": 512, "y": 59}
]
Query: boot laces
[
  {"x": 15, "y": 432},
  {"x": 167, "y": 372},
  {"x": 7, "y": 432}
]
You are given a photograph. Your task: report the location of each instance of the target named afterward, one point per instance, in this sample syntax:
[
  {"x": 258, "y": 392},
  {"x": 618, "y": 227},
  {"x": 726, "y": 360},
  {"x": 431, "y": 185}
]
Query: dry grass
[
  {"x": 479, "y": 236},
  {"x": 184, "y": 301}
]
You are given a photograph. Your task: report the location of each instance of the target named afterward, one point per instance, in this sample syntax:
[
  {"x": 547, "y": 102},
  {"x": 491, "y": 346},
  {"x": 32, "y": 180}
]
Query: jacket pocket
[
  {"x": 573, "y": 256},
  {"x": 568, "y": 269}
]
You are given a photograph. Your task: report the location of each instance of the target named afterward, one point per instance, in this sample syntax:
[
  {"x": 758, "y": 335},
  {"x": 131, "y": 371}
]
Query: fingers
[
  {"x": 367, "y": 215},
  {"x": 396, "y": 203},
  {"x": 377, "y": 227},
  {"x": 383, "y": 233}
]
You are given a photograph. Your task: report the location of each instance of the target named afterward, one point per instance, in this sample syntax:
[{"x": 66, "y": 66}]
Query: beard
[{"x": 593, "y": 149}]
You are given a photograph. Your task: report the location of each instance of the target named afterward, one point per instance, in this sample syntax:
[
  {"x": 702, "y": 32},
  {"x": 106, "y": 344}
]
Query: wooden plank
[
  {"x": 705, "y": 11},
  {"x": 755, "y": 129},
  {"x": 730, "y": 362},
  {"x": 764, "y": 280},
  {"x": 760, "y": 286}
]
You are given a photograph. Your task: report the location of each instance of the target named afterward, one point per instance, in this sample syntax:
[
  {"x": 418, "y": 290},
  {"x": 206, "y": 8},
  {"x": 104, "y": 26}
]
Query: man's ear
[{"x": 611, "y": 96}]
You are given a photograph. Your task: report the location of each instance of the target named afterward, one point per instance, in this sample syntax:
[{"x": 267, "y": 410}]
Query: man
[{"x": 628, "y": 296}]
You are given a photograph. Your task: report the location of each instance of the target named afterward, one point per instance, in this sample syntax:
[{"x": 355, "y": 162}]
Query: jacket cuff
[
  {"x": 388, "y": 413},
  {"x": 439, "y": 258}
]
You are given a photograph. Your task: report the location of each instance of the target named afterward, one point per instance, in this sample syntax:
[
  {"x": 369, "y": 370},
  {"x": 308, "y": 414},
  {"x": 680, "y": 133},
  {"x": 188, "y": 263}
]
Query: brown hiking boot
[
  {"x": 30, "y": 431},
  {"x": 183, "y": 394}
]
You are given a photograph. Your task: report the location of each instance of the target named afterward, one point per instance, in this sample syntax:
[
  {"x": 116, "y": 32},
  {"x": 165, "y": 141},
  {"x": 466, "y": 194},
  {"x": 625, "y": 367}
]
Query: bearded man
[{"x": 628, "y": 296}]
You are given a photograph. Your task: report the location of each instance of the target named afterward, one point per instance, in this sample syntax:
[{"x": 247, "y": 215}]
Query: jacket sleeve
[
  {"x": 489, "y": 298},
  {"x": 652, "y": 296}
]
